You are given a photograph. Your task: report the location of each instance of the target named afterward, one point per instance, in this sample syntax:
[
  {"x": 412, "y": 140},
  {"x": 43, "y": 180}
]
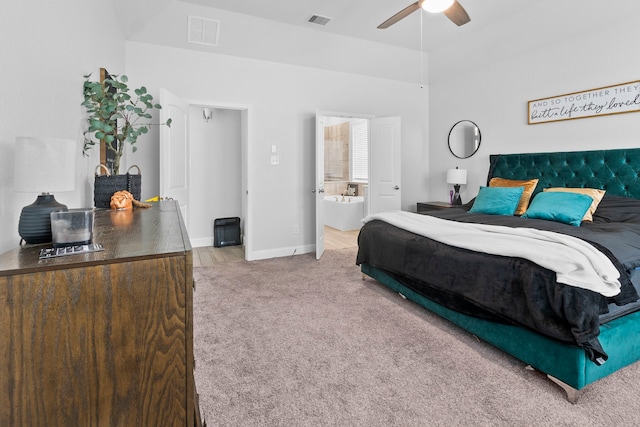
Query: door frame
[
  {"x": 316, "y": 190},
  {"x": 247, "y": 137}
]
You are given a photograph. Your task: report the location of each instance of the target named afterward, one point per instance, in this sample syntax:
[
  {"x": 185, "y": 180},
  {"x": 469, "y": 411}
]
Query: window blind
[{"x": 360, "y": 154}]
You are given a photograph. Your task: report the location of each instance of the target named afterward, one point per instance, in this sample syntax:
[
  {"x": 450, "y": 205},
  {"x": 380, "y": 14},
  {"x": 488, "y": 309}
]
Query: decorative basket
[{"x": 106, "y": 185}]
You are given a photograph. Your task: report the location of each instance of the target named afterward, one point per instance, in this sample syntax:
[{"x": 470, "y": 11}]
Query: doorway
[
  {"x": 219, "y": 138},
  {"x": 216, "y": 171},
  {"x": 382, "y": 189},
  {"x": 346, "y": 179}
]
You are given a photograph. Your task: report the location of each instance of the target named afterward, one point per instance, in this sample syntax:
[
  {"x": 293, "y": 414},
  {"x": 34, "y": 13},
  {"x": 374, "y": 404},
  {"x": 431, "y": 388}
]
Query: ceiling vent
[
  {"x": 320, "y": 20},
  {"x": 203, "y": 31}
]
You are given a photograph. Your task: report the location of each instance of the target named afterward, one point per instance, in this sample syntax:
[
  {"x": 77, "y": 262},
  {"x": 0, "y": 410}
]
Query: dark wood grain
[
  {"x": 140, "y": 233},
  {"x": 102, "y": 343}
]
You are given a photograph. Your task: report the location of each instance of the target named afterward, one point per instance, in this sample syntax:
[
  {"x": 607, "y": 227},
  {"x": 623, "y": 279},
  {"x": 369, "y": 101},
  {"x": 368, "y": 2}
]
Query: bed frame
[{"x": 615, "y": 171}]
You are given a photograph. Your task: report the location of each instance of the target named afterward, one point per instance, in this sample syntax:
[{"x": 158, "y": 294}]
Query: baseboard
[
  {"x": 202, "y": 241},
  {"x": 280, "y": 252},
  {"x": 256, "y": 255}
]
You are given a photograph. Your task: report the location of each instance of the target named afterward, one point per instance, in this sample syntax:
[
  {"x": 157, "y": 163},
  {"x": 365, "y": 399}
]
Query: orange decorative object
[{"x": 122, "y": 200}]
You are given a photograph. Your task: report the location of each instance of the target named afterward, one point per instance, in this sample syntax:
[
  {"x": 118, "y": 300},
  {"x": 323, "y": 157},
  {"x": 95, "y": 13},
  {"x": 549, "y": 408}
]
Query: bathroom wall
[
  {"x": 340, "y": 187},
  {"x": 337, "y": 160},
  {"x": 336, "y": 154}
]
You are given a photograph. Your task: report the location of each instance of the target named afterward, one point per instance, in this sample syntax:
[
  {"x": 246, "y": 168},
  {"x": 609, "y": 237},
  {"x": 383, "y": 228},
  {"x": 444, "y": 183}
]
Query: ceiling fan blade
[
  {"x": 400, "y": 15},
  {"x": 457, "y": 14}
]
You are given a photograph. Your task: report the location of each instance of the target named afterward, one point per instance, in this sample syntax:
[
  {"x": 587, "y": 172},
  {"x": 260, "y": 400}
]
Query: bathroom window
[{"x": 360, "y": 151}]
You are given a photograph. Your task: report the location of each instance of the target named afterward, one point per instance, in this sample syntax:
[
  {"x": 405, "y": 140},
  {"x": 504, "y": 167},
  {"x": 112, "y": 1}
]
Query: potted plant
[{"x": 115, "y": 116}]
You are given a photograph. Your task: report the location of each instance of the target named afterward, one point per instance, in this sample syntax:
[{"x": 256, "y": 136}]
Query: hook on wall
[{"x": 207, "y": 114}]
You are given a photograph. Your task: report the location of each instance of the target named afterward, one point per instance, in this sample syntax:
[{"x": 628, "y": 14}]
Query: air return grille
[
  {"x": 203, "y": 31},
  {"x": 320, "y": 20}
]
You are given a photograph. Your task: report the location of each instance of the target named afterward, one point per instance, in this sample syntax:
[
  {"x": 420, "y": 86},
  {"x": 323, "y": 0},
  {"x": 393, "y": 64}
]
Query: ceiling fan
[{"x": 451, "y": 8}]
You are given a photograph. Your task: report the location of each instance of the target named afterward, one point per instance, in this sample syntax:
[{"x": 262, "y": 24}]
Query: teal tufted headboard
[{"x": 616, "y": 171}]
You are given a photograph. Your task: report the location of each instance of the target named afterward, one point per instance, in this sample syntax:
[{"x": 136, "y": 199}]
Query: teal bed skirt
[{"x": 620, "y": 338}]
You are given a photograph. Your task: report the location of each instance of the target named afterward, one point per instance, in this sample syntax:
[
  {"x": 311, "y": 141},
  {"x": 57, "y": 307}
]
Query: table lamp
[
  {"x": 456, "y": 177},
  {"x": 42, "y": 165}
]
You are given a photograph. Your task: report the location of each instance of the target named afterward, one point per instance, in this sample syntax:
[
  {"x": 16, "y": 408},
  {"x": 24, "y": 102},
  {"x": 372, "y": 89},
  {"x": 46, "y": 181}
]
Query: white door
[
  {"x": 384, "y": 164},
  {"x": 319, "y": 188},
  {"x": 174, "y": 151}
]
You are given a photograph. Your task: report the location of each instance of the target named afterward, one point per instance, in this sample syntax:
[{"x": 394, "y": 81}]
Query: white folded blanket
[{"x": 575, "y": 262}]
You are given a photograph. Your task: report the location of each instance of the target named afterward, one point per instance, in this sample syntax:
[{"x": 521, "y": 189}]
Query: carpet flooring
[{"x": 297, "y": 342}]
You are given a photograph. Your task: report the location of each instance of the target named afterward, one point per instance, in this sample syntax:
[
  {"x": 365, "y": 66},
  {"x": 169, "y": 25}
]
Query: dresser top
[{"x": 138, "y": 233}]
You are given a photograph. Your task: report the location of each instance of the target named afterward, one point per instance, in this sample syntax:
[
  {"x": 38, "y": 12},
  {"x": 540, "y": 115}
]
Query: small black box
[{"x": 226, "y": 232}]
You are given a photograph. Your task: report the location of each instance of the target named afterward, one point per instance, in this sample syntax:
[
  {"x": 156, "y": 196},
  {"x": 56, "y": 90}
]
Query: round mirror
[{"x": 464, "y": 139}]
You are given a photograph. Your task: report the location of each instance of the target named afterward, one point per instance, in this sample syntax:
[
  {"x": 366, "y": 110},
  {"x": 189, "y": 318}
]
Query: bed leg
[
  {"x": 363, "y": 277},
  {"x": 572, "y": 394}
]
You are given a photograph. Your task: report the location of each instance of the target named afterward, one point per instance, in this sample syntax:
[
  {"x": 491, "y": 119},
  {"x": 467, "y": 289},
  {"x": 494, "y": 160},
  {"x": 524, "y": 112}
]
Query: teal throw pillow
[
  {"x": 568, "y": 208},
  {"x": 497, "y": 200}
]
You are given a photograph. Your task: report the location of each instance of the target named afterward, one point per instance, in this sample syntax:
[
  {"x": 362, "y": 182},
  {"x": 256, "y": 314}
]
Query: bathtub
[{"x": 345, "y": 215}]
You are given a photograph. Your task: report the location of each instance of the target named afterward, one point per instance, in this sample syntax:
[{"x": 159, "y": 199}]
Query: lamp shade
[
  {"x": 436, "y": 6},
  {"x": 44, "y": 165},
  {"x": 457, "y": 176}
]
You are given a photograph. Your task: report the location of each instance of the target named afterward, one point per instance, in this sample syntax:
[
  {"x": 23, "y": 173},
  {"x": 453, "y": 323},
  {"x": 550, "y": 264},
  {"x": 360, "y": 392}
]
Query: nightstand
[{"x": 433, "y": 206}]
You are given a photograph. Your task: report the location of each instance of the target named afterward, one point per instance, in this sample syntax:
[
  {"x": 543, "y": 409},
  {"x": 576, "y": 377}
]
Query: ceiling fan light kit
[
  {"x": 436, "y": 6},
  {"x": 450, "y": 8}
]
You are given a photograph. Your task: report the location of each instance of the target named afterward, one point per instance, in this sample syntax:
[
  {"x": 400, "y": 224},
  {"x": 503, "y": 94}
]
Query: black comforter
[{"x": 512, "y": 290}]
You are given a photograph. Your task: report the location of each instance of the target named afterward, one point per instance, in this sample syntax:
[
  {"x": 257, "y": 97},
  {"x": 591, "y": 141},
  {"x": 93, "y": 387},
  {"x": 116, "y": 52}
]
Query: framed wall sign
[{"x": 603, "y": 101}]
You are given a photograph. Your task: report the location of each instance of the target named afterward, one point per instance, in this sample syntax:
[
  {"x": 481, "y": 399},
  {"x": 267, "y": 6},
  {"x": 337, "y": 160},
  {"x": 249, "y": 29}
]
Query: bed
[{"x": 573, "y": 333}]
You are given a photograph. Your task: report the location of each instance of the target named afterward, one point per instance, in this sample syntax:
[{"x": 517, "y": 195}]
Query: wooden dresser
[{"x": 102, "y": 338}]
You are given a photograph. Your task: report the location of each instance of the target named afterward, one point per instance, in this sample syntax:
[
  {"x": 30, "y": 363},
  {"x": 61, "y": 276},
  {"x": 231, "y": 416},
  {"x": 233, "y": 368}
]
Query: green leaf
[{"x": 114, "y": 115}]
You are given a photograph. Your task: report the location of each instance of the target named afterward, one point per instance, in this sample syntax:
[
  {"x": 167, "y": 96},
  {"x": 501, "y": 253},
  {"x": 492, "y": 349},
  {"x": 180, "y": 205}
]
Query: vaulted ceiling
[{"x": 259, "y": 28}]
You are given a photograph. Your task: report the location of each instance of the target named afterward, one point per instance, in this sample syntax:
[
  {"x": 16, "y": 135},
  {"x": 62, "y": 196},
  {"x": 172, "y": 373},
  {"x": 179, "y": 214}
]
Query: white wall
[
  {"x": 215, "y": 184},
  {"x": 284, "y": 99},
  {"x": 495, "y": 97},
  {"x": 46, "y": 49},
  {"x": 307, "y": 45}
]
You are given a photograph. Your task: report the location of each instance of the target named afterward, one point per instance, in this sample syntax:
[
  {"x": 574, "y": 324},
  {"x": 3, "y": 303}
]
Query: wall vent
[
  {"x": 320, "y": 20},
  {"x": 203, "y": 31}
]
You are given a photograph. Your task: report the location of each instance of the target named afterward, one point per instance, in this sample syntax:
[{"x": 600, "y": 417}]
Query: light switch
[{"x": 273, "y": 149}]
